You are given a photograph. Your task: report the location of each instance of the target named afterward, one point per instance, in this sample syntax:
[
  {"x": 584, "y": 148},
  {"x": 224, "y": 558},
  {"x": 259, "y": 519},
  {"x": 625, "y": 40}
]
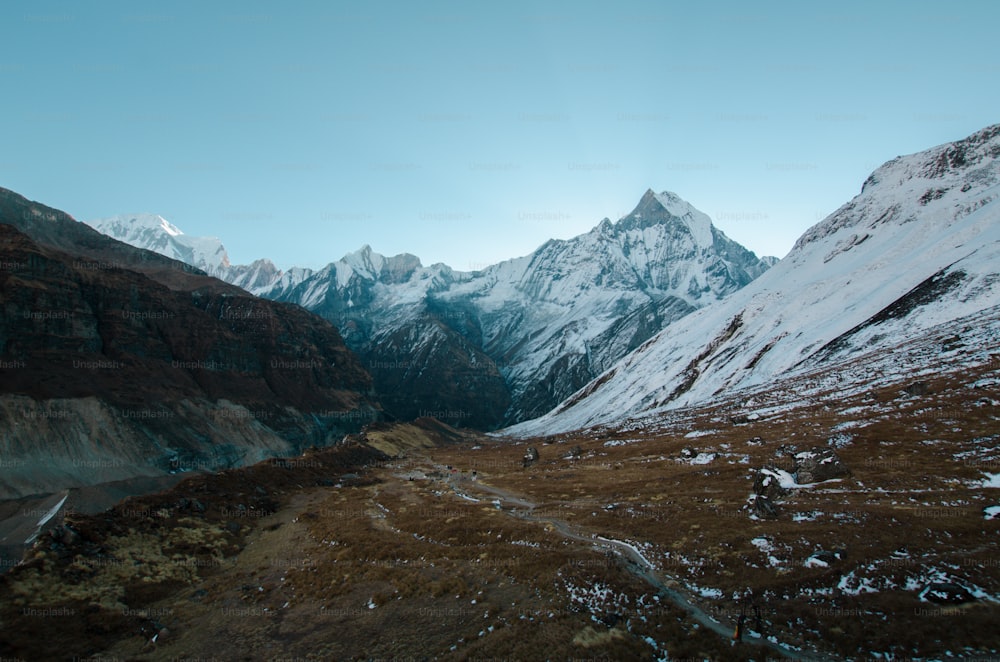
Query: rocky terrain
[
  {"x": 413, "y": 540},
  {"x": 119, "y": 363}
]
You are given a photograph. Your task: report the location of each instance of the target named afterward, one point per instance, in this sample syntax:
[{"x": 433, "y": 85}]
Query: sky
[{"x": 470, "y": 133}]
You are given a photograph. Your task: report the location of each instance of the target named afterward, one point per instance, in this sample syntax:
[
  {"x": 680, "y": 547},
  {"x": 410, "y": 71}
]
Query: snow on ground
[
  {"x": 706, "y": 592},
  {"x": 620, "y": 442},
  {"x": 807, "y": 517},
  {"x": 766, "y": 547},
  {"x": 991, "y": 480},
  {"x": 787, "y": 480},
  {"x": 630, "y": 546},
  {"x": 43, "y": 520},
  {"x": 700, "y": 458},
  {"x": 850, "y": 584},
  {"x": 597, "y": 598},
  {"x": 694, "y": 434}
]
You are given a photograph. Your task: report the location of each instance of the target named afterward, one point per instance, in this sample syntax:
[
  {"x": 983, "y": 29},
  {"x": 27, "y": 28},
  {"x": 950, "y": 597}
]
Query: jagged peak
[
  {"x": 364, "y": 251},
  {"x": 665, "y": 208},
  {"x": 368, "y": 255},
  {"x": 374, "y": 266}
]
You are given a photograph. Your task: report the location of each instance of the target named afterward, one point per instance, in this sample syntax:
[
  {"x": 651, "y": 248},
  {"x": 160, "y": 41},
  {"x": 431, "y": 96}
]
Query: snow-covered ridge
[
  {"x": 155, "y": 233},
  {"x": 918, "y": 247},
  {"x": 547, "y": 322}
]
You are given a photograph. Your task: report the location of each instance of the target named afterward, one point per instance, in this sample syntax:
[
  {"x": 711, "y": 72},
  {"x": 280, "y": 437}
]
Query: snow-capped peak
[
  {"x": 155, "y": 233},
  {"x": 136, "y": 223},
  {"x": 169, "y": 227},
  {"x": 365, "y": 261},
  {"x": 918, "y": 249},
  {"x": 668, "y": 207},
  {"x": 552, "y": 319}
]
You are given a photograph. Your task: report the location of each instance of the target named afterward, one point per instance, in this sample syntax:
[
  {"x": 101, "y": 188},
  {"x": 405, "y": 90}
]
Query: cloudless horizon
[{"x": 472, "y": 134}]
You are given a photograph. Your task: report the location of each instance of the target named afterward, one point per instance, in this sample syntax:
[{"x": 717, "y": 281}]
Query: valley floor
[{"x": 615, "y": 544}]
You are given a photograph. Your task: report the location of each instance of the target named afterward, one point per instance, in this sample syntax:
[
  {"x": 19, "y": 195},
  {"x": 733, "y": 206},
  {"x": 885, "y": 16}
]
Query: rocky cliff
[{"x": 117, "y": 362}]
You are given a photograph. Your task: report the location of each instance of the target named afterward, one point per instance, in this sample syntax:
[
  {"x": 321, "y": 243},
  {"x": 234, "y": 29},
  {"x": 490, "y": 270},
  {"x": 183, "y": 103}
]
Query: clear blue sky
[{"x": 468, "y": 133}]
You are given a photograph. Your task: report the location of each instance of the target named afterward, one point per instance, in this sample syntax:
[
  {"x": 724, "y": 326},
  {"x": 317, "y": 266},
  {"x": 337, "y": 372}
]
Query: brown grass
[
  {"x": 902, "y": 494},
  {"x": 396, "y": 564}
]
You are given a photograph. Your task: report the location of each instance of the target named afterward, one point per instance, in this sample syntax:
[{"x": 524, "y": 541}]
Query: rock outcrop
[{"x": 817, "y": 465}]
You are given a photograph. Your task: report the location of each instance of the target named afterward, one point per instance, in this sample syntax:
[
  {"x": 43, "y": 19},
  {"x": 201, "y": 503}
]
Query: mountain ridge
[
  {"x": 917, "y": 247},
  {"x": 128, "y": 363},
  {"x": 153, "y": 232},
  {"x": 524, "y": 332}
]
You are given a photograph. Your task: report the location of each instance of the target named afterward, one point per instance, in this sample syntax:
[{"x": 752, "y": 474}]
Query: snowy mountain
[
  {"x": 509, "y": 342},
  {"x": 915, "y": 255},
  {"x": 156, "y": 234},
  {"x": 562, "y": 315}
]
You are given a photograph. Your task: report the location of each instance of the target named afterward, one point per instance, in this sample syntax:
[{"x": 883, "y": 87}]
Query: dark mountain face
[
  {"x": 425, "y": 368},
  {"x": 135, "y": 364},
  {"x": 58, "y": 230}
]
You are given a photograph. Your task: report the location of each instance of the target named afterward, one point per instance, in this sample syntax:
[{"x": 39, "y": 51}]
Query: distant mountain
[
  {"x": 117, "y": 362},
  {"x": 915, "y": 255},
  {"x": 507, "y": 343},
  {"x": 156, "y": 234}
]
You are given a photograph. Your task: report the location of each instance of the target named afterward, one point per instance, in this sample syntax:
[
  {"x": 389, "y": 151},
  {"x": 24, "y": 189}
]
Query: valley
[
  {"x": 715, "y": 457},
  {"x": 633, "y": 542},
  {"x": 500, "y": 332}
]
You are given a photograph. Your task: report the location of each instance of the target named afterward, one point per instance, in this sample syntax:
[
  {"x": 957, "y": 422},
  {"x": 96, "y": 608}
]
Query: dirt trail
[{"x": 519, "y": 506}]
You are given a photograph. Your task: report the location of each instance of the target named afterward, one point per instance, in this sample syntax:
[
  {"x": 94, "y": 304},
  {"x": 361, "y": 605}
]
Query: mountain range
[
  {"x": 913, "y": 258},
  {"x": 589, "y": 330},
  {"x": 818, "y": 436},
  {"x": 506, "y": 343}
]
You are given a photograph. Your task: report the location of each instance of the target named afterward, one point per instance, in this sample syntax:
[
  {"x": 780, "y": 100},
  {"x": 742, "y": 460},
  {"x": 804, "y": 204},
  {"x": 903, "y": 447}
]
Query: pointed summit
[{"x": 669, "y": 208}]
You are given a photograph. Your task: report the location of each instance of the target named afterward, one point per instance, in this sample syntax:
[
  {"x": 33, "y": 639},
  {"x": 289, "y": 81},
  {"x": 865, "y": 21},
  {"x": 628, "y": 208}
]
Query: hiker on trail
[{"x": 738, "y": 632}]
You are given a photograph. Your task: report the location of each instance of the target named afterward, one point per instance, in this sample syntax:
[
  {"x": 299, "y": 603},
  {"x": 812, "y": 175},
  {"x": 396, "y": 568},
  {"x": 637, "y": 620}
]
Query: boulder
[
  {"x": 946, "y": 593},
  {"x": 817, "y": 465},
  {"x": 766, "y": 484},
  {"x": 762, "y": 507},
  {"x": 828, "y": 557},
  {"x": 65, "y": 535},
  {"x": 530, "y": 456}
]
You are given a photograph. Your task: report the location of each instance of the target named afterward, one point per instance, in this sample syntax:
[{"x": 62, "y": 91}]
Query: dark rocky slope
[{"x": 117, "y": 362}]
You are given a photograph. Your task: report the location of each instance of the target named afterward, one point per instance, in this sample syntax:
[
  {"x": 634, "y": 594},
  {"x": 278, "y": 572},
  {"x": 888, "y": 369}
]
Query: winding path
[{"x": 633, "y": 560}]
